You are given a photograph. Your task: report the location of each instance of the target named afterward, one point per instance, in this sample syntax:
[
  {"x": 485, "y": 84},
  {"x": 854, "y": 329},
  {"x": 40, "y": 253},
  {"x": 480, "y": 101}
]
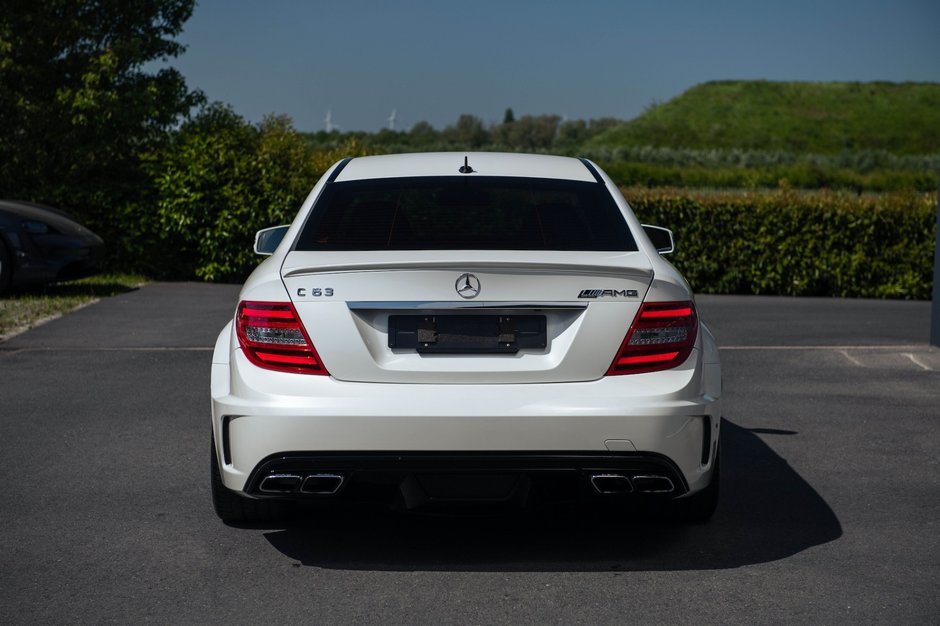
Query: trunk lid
[{"x": 346, "y": 300}]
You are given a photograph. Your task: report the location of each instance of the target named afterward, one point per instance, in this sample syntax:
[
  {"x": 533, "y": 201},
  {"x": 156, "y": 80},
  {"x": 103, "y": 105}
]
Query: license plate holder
[{"x": 466, "y": 334}]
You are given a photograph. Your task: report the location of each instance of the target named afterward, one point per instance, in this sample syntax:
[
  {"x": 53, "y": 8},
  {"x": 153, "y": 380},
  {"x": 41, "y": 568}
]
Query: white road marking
[
  {"x": 106, "y": 349},
  {"x": 910, "y": 351},
  {"x": 851, "y": 358},
  {"x": 838, "y": 348},
  {"x": 917, "y": 361}
]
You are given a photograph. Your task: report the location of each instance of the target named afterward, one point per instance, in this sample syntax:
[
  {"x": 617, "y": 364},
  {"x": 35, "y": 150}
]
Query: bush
[
  {"x": 220, "y": 181},
  {"x": 798, "y": 244},
  {"x": 805, "y": 174}
]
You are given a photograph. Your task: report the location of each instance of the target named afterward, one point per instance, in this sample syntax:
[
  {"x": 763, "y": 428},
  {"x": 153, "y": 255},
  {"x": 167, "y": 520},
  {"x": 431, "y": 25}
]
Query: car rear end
[{"x": 435, "y": 336}]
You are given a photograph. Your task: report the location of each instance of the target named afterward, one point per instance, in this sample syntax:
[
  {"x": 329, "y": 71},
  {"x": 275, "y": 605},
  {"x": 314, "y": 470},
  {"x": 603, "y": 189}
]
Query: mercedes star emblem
[{"x": 468, "y": 286}]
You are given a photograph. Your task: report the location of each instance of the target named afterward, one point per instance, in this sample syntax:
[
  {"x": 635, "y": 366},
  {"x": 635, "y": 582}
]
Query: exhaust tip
[
  {"x": 653, "y": 484},
  {"x": 279, "y": 483},
  {"x": 322, "y": 484},
  {"x": 611, "y": 483}
]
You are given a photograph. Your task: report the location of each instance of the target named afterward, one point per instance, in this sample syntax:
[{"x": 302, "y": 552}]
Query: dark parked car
[{"x": 41, "y": 244}]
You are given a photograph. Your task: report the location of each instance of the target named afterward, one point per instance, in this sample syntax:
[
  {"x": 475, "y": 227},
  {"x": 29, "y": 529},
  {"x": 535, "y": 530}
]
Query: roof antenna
[{"x": 465, "y": 168}]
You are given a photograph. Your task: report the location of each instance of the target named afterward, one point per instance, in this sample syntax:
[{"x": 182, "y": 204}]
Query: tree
[
  {"x": 571, "y": 133},
  {"x": 509, "y": 117},
  {"x": 532, "y": 132},
  {"x": 220, "y": 180},
  {"x": 79, "y": 111},
  {"x": 423, "y": 134},
  {"x": 469, "y": 133}
]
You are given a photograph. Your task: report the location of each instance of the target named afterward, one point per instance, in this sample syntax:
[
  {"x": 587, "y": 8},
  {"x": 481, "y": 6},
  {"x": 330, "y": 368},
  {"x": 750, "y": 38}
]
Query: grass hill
[{"x": 798, "y": 117}]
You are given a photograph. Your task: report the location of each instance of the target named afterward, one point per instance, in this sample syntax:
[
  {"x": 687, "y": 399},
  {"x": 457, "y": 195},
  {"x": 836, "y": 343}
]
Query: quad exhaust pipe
[
  {"x": 611, "y": 483},
  {"x": 280, "y": 483},
  {"x": 314, "y": 484},
  {"x": 645, "y": 483},
  {"x": 322, "y": 484},
  {"x": 327, "y": 484},
  {"x": 607, "y": 484}
]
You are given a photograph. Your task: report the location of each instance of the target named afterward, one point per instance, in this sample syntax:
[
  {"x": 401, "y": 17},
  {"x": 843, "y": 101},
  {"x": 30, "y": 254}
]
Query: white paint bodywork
[
  {"x": 377, "y": 399},
  {"x": 483, "y": 164}
]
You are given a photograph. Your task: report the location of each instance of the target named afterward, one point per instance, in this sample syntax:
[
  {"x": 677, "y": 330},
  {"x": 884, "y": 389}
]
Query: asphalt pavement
[{"x": 829, "y": 513}]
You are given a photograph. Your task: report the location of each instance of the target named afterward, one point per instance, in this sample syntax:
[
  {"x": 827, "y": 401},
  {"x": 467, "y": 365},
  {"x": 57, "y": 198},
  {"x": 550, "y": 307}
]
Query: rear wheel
[
  {"x": 700, "y": 507},
  {"x": 234, "y": 508}
]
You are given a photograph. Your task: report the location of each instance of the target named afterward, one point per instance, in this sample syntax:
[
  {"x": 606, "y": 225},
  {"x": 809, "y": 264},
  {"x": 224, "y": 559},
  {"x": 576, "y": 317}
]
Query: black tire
[
  {"x": 234, "y": 508},
  {"x": 700, "y": 507},
  {"x": 6, "y": 267}
]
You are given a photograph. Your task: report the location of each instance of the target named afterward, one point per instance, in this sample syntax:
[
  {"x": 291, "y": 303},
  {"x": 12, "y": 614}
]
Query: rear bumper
[
  {"x": 413, "y": 480},
  {"x": 673, "y": 415}
]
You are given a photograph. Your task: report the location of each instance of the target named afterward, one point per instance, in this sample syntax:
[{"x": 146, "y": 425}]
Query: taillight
[
  {"x": 272, "y": 337},
  {"x": 661, "y": 337}
]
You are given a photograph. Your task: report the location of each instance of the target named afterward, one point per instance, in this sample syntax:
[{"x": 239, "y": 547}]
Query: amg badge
[{"x": 608, "y": 293}]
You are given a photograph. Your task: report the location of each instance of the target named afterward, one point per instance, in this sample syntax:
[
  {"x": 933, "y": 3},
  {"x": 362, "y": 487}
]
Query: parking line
[
  {"x": 851, "y": 358},
  {"x": 917, "y": 361},
  {"x": 836, "y": 348},
  {"x": 107, "y": 349}
]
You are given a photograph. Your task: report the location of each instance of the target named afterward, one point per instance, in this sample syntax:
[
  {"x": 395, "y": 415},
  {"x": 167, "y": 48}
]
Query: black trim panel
[
  {"x": 339, "y": 168},
  {"x": 590, "y": 167},
  {"x": 557, "y": 475},
  {"x": 226, "y": 441},
  {"x": 706, "y": 438}
]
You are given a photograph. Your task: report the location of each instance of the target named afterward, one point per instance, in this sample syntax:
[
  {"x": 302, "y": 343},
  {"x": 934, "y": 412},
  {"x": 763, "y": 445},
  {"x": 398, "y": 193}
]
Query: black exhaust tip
[
  {"x": 322, "y": 484},
  {"x": 280, "y": 483},
  {"x": 653, "y": 484},
  {"x": 611, "y": 483}
]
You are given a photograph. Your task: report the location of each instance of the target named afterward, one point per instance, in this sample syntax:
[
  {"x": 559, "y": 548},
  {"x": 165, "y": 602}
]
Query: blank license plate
[{"x": 466, "y": 334}]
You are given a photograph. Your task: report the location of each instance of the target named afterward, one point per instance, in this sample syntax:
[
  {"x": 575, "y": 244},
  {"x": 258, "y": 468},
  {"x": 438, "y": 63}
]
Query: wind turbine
[
  {"x": 328, "y": 122},
  {"x": 391, "y": 119}
]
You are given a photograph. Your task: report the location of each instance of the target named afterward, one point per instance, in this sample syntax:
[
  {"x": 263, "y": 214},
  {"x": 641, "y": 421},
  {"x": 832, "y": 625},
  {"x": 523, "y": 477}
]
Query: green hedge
[
  {"x": 800, "y": 175},
  {"x": 798, "y": 244},
  {"x": 222, "y": 178}
]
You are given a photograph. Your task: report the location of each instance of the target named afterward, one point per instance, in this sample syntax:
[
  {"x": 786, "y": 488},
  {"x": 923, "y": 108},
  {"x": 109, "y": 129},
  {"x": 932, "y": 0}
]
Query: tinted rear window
[{"x": 465, "y": 213}]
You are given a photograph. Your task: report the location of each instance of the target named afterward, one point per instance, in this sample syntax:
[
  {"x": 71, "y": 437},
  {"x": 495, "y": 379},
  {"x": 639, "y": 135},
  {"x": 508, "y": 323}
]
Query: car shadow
[{"x": 766, "y": 512}]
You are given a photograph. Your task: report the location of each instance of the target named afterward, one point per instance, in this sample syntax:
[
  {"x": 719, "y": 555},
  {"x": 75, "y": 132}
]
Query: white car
[{"x": 446, "y": 329}]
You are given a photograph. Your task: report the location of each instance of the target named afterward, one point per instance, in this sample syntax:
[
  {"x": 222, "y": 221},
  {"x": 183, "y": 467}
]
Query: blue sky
[{"x": 435, "y": 60}]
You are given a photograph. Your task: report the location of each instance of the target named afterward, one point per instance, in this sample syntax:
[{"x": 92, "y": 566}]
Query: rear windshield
[{"x": 465, "y": 213}]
